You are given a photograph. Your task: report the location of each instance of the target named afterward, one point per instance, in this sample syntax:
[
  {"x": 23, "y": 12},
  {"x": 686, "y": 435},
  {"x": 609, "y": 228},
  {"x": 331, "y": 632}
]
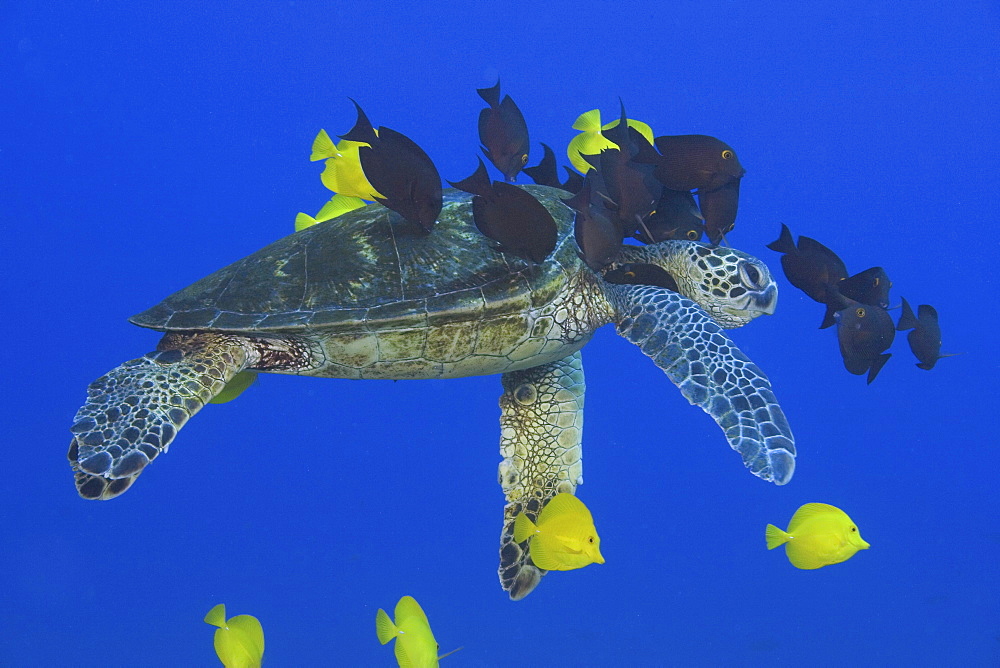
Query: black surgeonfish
[
  {"x": 870, "y": 286},
  {"x": 636, "y": 273},
  {"x": 718, "y": 208},
  {"x": 546, "y": 174},
  {"x": 925, "y": 339},
  {"x": 503, "y": 132},
  {"x": 629, "y": 185},
  {"x": 400, "y": 170},
  {"x": 599, "y": 237},
  {"x": 811, "y": 267},
  {"x": 510, "y": 216},
  {"x": 707, "y": 164},
  {"x": 676, "y": 216},
  {"x": 865, "y": 333},
  {"x": 687, "y": 162}
]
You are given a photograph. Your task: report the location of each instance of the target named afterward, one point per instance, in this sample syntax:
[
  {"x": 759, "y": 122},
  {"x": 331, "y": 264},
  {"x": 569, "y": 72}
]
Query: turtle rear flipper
[
  {"x": 541, "y": 427},
  {"x": 711, "y": 372},
  {"x": 133, "y": 412}
]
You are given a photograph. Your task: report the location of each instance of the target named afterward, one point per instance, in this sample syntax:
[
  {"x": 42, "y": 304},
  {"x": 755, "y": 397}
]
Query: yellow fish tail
[
  {"x": 304, "y": 220},
  {"x": 775, "y": 536},
  {"x": 523, "y": 528},
  {"x": 217, "y": 616},
  {"x": 235, "y": 387},
  {"x": 323, "y": 147},
  {"x": 384, "y": 627}
]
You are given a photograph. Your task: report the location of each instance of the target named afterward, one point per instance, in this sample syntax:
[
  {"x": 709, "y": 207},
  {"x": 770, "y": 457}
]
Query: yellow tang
[
  {"x": 415, "y": 644},
  {"x": 235, "y": 387},
  {"x": 338, "y": 205},
  {"x": 564, "y": 537},
  {"x": 590, "y": 141},
  {"x": 239, "y": 641},
  {"x": 343, "y": 173},
  {"x": 818, "y": 535}
]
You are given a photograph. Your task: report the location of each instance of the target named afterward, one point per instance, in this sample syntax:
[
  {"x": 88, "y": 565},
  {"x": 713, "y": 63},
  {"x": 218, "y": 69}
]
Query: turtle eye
[
  {"x": 750, "y": 274},
  {"x": 728, "y": 155},
  {"x": 693, "y": 235}
]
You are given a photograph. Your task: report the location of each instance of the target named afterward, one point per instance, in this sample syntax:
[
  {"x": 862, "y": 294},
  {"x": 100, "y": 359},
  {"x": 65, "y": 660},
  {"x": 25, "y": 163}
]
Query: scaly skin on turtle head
[{"x": 732, "y": 286}]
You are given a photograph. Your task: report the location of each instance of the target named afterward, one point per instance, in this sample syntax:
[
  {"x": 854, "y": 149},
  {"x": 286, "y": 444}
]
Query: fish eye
[
  {"x": 728, "y": 155},
  {"x": 692, "y": 235},
  {"x": 877, "y": 279},
  {"x": 860, "y": 312},
  {"x": 854, "y": 528},
  {"x": 591, "y": 539},
  {"x": 524, "y": 158}
]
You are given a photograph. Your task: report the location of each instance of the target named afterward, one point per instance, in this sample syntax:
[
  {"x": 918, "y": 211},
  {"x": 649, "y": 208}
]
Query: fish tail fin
[
  {"x": 907, "y": 320},
  {"x": 323, "y": 147},
  {"x": 877, "y": 366},
  {"x": 775, "y": 536},
  {"x": 588, "y": 121},
  {"x": 523, "y": 528},
  {"x": 384, "y": 627},
  {"x": 785, "y": 243},
  {"x": 491, "y": 95},
  {"x": 303, "y": 220},
  {"x": 217, "y": 616}
]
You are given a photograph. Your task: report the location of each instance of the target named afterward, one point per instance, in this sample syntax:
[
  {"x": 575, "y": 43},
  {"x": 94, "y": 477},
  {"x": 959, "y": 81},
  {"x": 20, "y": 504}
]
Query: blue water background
[{"x": 145, "y": 145}]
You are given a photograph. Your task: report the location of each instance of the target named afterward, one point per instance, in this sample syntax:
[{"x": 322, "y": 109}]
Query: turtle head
[{"x": 732, "y": 286}]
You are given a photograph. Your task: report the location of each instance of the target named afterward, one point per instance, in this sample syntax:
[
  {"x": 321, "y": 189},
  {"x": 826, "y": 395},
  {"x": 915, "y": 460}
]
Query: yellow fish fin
[
  {"x": 545, "y": 553},
  {"x": 217, "y": 616},
  {"x": 251, "y": 634},
  {"x": 804, "y": 556},
  {"x": 384, "y": 627},
  {"x": 304, "y": 220},
  {"x": 323, "y": 147},
  {"x": 338, "y": 205},
  {"x": 523, "y": 528},
  {"x": 407, "y": 608},
  {"x": 565, "y": 505},
  {"x": 235, "y": 387},
  {"x": 586, "y": 143},
  {"x": 588, "y": 121},
  {"x": 775, "y": 536},
  {"x": 813, "y": 511},
  {"x": 643, "y": 129}
]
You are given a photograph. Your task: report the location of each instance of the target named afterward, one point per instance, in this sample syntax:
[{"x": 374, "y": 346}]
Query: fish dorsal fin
[
  {"x": 491, "y": 95},
  {"x": 408, "y": 609},
  {"x": 811, "y": 511},
  {"x": 562, "y": 504},
  {"x": 927, "y": 313},
  {"x": 906, "y": 320},
  {"x": 384, "y": 628},
  {"x": 217, "y": 616}
]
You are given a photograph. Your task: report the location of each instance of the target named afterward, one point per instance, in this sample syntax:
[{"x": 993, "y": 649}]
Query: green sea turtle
[{"x": 367, "y": 295}]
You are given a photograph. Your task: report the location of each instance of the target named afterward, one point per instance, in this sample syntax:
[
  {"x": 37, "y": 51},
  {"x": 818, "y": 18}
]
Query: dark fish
[
  {"x": 599, "y": 238},
  {"x": 631, "y": 190},
  {"x": 545, "y": 172},
  {"x": 503, "y": 132},
  {"x": 510, "y": 216},
  {"x": 400, "y": 170},
  {"x": 573, "y": 182},
  {"x": 925, "y": 339},
  {"x": 811, "y": 267},
  {"x": 719, "y": 209},
  {"x": 870, "y": 286},
  {"x": 865, "y": 333},
  {"x": 635, "y": 273},
  {"x": 676, "y": 217},
  {"x": 687, "y": 162}
]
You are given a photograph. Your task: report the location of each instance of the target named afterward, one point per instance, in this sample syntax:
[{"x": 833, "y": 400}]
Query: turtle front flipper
[
  {"x": 541, "y": 426},
  {"x": 711, "y": 372},
  {"x": 133, "y": 412}
]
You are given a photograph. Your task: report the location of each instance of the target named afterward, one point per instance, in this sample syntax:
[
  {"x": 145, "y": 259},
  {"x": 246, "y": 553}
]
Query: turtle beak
[{"x": 764, "y": 301}]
